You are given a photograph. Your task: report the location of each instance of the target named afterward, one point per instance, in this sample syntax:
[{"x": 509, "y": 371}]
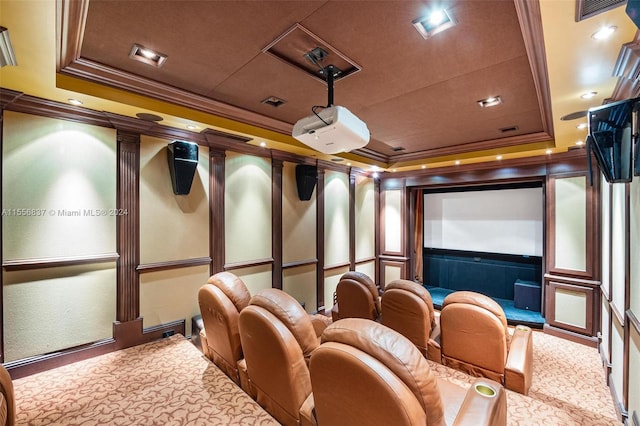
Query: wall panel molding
[{"x": 55, "y": 262}]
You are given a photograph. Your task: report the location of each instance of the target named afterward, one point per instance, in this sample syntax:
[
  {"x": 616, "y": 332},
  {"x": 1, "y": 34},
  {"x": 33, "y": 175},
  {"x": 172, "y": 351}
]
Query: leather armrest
[
  {"x": 335, "y": 314},
  {"x": 205, "y": 345},
  {"x": 484, "y": 404},
  {"x": 307, "y": 412},
  {"x": 519, "y": 368},
  {"x": 320, "y": 322}
]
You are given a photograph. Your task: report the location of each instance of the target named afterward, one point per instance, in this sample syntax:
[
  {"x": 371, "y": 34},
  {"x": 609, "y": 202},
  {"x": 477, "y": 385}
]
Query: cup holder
[
  {"x": 523, "y": 328},
  {"x": 485, "y": 390}
]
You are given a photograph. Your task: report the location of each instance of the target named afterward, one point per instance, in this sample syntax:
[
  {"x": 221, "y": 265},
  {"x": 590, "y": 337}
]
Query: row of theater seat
[
  {"x": 470, "y": 332},
  {"x": 354, "y": 371}
]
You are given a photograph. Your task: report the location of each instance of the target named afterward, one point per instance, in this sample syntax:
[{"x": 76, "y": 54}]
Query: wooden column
[
  {"x": 128, "y": 227},
  {"x": 216, "y": 210},
  {"x": 320, "y": 240},
  {"x": 276, "y": 222}
]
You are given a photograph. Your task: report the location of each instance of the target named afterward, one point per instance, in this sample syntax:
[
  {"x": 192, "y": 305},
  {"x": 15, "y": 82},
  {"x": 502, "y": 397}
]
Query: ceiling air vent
[
  {"x": 588, "y": 8},
  {"x": 273, "y": 101},
  {"x": 509, "y": 129},
  {"x": 398, "y": 149}
]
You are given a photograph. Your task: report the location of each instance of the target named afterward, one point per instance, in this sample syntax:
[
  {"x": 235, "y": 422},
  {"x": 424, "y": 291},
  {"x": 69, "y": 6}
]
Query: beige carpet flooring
[
  {"x": 568, "y": 386},
  {"x": 169, "y": 382}
]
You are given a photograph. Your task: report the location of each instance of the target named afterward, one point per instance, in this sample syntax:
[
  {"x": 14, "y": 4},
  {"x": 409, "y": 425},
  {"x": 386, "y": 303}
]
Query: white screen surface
[{"x": 507, "y": 221}]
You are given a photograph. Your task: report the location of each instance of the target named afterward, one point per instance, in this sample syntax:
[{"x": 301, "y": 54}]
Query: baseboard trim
[
  {"x": 572, "y": 336},
  {"x": 125, "y": 335}
]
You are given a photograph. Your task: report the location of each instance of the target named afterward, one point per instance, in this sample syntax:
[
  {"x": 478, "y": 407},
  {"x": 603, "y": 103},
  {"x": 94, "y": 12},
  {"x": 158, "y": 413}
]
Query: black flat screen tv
[{"x": 612, "y": 136}]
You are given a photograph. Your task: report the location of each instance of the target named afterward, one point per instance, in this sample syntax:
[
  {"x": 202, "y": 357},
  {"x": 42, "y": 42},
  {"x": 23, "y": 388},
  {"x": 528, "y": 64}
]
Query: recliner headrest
[
  {"x": 418, "y": 290},
  {"x": 290, "y": 312},
  {"x": 397, "y": 353},
  {"x": 477, "y": 299},
  {"x": 365, "y": 280},
  {"x": 233, "y": 287}
]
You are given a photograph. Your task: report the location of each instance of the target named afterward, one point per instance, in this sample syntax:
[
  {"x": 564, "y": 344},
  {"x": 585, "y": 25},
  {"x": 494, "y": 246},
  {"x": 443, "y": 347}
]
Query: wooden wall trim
[
  {"x": 276, "y": 222},
  {"x": 298, "y": 263},
  {"x": 626, "y": 69},
  {"x": 248, "y": 264},
  {"x": 172, "y": 264},
  {"x": 569, "y": 335},
  {"x": 216, "y": 210},
  {"x": 633, "y": 320},
  {"x": 55, "y": 262},
  {"x": 378, "y": 230},
  {"x": 337, "y": 266},
  {"x": 128, "y": 227}
]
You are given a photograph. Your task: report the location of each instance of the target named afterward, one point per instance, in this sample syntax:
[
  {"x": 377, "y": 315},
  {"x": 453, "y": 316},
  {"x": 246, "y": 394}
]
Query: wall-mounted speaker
[
  {"x": 183, "y": 162},
  {"x": 306, "y": 177}
]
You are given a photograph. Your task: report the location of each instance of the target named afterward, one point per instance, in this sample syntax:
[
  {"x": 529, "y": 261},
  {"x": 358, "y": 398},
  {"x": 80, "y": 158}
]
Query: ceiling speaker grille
[{"x": 588, "y": 8}]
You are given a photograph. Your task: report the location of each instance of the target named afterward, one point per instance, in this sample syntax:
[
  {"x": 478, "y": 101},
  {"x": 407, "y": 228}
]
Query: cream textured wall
[
  {"x": 617, "y": 355},
  {"x": 368, "y": 268},
  {"x": 300, "y": 282},
  {"x": 571, "y": 307},
  {"x": 298, "y": 220},
  {"x": 46, "y": 310},
  {"x": 570, "y": 238},
  {"x": 247, "y": 209},
  {"x": 171, "y": 295},
  {"x": 392, "y": 220},
  {"x": 60, "y": 172},
  {"x": 336, "y": 219},
  {"x": 365, "y": 214},
  {"x": 604, "y": 327},
  {"x": 331, "y": 279},
  {"x": 618, "y": 238},
  {"x": 172, "y": 227},
  {"x": 634, "y": 371},
  {"x": 605, "y": 249},
  {"x": 256, "y": 278},
  {"x": 58, "y": 179}
]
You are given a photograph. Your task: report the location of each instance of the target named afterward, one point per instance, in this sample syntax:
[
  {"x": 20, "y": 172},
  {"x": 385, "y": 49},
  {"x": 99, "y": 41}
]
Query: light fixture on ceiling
[
  {"x": 588, "y": 95},
  {"x": 582, "y": 126},
  {"x": 579, "y": 143},
  {"x": 437, "y": 21},
  {"x": 548, "y": 151},
  {"x": 76, "y": 102},
  {"x": 499, "y": 157},
  {"x": 7, "y": 55},
  {"x": 147, "y": 56},
  {"x": 490, "y": 101},
  {"x": 192, "y": 127},
  {"x": 604, "y": 32}
]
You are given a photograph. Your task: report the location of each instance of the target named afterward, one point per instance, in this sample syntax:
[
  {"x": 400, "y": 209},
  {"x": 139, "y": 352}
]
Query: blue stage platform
[{"x": 514, "y": 315}]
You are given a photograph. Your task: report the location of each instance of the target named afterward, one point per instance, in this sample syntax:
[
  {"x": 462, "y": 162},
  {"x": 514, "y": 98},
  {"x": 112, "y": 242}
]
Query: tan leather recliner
[
  {"x": 365, "y": 374},
  {"x": 357, "y": 296},
  {"x": 221, "y": 300},
  {"x": 278, "y": 338},
  {"x": 408, "y": 309},
  {"x": 7, "y": 399},
  {"x": 475, "y": 339}
]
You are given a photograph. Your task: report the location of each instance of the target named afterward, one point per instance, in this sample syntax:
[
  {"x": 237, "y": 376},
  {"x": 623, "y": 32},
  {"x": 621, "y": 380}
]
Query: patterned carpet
[
  {"x": 169, "y": 382},
  {"x": 568, "y": 386}
]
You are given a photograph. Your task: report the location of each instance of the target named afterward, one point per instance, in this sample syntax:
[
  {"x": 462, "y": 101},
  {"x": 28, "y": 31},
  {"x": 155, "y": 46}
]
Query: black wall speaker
[
  {"x": 183, "y": 162},
  {"x": 306, "y": 177}
]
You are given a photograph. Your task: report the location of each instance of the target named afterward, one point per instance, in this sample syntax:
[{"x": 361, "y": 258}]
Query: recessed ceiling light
[
  {"x": 457, "y": 162},
  {"x": 588, "y": 95},
  {"x": 76, "y": 102},
  {"x": 424, "y": 167},
  {"x": 191, "y": 127},
  {"x": 394, "y": 170},
  {"x": 604, "y": 32},
  {"x": 490, "y": 101},
  {"x": 549, "y": 151},
  {"x": 263, "y": 144},
  {"x": 273, "y": 101},
  {"x": 437, "y": 21},
  {"x": 147, "y": 56},
  {"x": 582, "y": 126},
  {"x": 348, "y": 164},
  {"x": 579, "y": 143},
  {"x": 499, "y": 157}
]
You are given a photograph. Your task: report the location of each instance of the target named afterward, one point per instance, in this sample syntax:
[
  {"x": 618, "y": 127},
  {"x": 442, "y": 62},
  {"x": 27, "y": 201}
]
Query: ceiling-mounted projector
[{"x": 334, "y": 129}]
